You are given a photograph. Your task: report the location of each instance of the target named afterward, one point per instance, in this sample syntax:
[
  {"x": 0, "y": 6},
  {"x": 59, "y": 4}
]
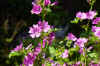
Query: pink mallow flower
[
  {"x": 94, "y": 28},
  {"x": 96, "y": 31},
  {"x": 91, "y": 14},
  {"x": 96, "y": 21},
  {"x": 88, "y": 15},
  {"x": 31, "y": 56},
  {"x": 44, "y": 41},
  {"x": 80, "y": 42},
  {"x": 65, "y": 54},
  {"x": 54, "y": 3},
  {"x": 93, "y": 64},
  {"x": 91, "y": 47},
  {"x": 47, "y": 2},
  {"x": 44, "y": 26},
  {"x": 81, "y": 51},
  {"x": 28, "y": 60},
  {"x": 37, "y": 50},
  {"x": 77, "y": 64},
  {"x": 81, "y": 15},
  {"x": 18, "y": 47},
  {"x": 35, "y": 31},
  {"x": 71, "y": 37},
  {"x": 37, "y": 9},
  {"x": 51, "y": 38}
]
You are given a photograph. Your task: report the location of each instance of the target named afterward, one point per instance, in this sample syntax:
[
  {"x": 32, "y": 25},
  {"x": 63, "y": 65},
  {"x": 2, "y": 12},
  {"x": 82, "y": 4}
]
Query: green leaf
[
  {"x": 14, "y": 54},
  {"x": 48, "y": 10},
  {"x": 52, "y": 51},
  {"x": 68, "y": 44},
  {"x": 76, "y": 20},
  {"x": 93, "y": 55}
]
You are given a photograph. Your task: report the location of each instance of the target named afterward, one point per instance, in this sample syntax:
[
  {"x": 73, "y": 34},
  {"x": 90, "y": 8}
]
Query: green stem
[{"x": 85, "y": 56}]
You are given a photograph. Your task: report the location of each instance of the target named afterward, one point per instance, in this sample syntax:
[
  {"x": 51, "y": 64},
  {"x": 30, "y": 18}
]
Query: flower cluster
[
  {"x": 35, "y": 30},
  {"x": 95, "y": 29},
  {"x": 31, "y": 56},
  {"x": 38, "y": 8},
  {"x": 55, "y": 52},
  {"x": 88, "y": 15}
]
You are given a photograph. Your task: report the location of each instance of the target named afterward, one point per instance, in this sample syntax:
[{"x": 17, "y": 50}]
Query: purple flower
[
  {"x": 50, "y": 60},
  {"x": 96, "y": 31},
  {"x": 51, "y": 38},
  {"x": 44, "y": 41},
  {"x": 44, "y": 26},
  {"x": 71, "y": 37},
  {"x": 58, "y": 64},
  {"x": 35, "y": 31},
  {"x": 94, "y": 28},
  {"x": 37, "y": 9},
  {"x": 81, "y": 15},
  {"x": 65, "y": 54},
  {"x": 18, "y": 47},
  {"x": 65, "y": 64},
  {"x": 91, "y": 14},
  {"x": 80, "y": 42},
  {"x": 54, "y": 3},
  {"x": 43, "y": 64},
  {"x": 89, "y": 48},
  {"x": 37, "y": 50},
  {"x": 47, "y": 2},
  {"x": 21, "y": 64},
  {"x": 81, "y": 50},
  {"x": 28, "y": 60},
  {"x": 93, "y": 64},
  {"x": 78, "y": 64},
  {"x": 96, "y": 21}
]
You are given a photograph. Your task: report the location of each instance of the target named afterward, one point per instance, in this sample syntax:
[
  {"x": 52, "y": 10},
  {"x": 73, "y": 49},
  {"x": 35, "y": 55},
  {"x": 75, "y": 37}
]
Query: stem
[
  {"x": 85, "y": 56},
  {"x": 91, "y": 7}
]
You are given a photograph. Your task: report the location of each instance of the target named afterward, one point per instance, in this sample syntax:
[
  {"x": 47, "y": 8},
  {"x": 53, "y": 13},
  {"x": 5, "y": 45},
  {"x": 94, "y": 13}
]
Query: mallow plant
[{"x": 45, "y": 50}]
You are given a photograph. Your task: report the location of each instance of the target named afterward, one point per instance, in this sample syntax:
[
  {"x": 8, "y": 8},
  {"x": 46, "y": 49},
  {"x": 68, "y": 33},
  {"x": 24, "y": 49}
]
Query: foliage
[{"x": 43, "y": 47}]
